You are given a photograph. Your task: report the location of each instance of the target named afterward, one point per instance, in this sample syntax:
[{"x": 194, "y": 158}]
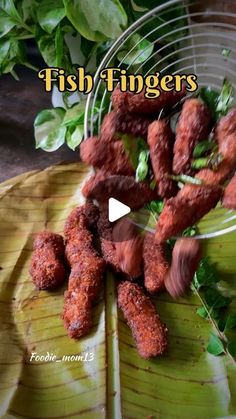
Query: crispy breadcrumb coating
[
  {"x": 87, "y": 269},
  {"x": 110, "y": 157},
  {"x": 149, "y": 333},
  {"x": 193, "y": 126},
  {"x": 229, "y": 198},
  {"x": 139, "y": 104},
  {"x": 155, "y": 264},
  {"x": 160, "y": 140},
  {"x": 47, "y": 264}
]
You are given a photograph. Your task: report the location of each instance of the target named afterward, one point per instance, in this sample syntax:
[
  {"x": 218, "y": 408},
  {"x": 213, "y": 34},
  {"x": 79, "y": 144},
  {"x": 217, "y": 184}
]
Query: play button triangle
[{"x": 116, "y": 210}]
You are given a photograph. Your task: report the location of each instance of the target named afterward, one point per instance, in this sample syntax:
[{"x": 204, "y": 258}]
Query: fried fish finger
[
  {"x": 110, "y": 157},
  {"x": 193, "y": 126},
  {"x": 123, "y": 188},
  {"x": 47, "y": 265},
  {"x": 147, "y": 329},
  {"x": 155, "y": 264},
  {"x": 139, "y": 104},
  {"x": 190, "y": 204},
  {"x": 87, "y": 269},
  {"x": 229, "y": 198},
  {"x": 116, "y": 122},
  {"x": 186, "y": 256},
  {"x": 160, "y": 140}
]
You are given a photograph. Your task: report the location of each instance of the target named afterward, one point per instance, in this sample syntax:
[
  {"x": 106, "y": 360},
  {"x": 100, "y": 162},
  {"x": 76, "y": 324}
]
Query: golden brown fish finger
[
  {"x": 193, "y": 126},
  {"x": 47, "y": 264},
  {"x": 139, "y": 104},
  {"x": 229, "y": 198},
  {"x": 149, "y": 333},
  {"x": 155, "y": 264},
  {"x": 160, "y": 140}
]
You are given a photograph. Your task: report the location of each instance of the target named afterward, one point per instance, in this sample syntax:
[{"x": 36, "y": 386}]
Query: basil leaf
[
  {"x": 50, "y": 13},
  {"x": 232, "y": 348},
  {"x": 206, "y": 274},
  {"x": 156, "y": 206},
  {"x": 6, "y": 23},
  {"x": 48, "y": 129},
  {"x": 215, "y": 345},
  {"x": 135, "y": 50},
  {"x": 75, "y": 115},
  {"x": 225, "y": 98},
  {"x": 10, "y": 10},
  {"x": 46, "y": 44},
  {"x": 97, "y": 20},
  {"x": 74, "y": 136}
]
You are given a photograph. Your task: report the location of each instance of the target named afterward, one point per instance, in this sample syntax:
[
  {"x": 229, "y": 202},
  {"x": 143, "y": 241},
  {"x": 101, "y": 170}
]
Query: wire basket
[{"x": 188, "y": 37}]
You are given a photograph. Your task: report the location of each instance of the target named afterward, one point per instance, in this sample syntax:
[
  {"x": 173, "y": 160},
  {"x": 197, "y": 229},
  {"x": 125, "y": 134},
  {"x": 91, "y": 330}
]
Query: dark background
[{"x": 20, "y": 101}]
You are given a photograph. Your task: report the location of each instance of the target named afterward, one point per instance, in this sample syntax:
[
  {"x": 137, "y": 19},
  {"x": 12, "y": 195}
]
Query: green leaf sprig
[
  {"x": 218, "y": 102},
  {"x": 214, "y": 308}
]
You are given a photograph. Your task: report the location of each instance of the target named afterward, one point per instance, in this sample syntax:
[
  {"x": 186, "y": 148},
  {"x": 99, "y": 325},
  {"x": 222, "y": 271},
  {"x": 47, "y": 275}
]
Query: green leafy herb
[
  {"x": 48, "y": 129},
  {"x": 230, "y": 322},
  {"x": 155, "y": 206},
  {"x": 212, "y": 161},
  {"x": 133, "y": 147},
  {"x": 215, "y": 345},
  {"x": 186, "y": 179},
  {"x": 190, "y": 231},
  {"x": 135, "y": 50},
  {"x": 226, "y": 52},
  {"x": 97, "y": 20},
  {"x": 202, "y": 147},
  {"x": 142, "y": 168},
  {"x": 232, "y": 348},
  {"x": 50, "y": 13},
  {"x": 74, "y": 136},
  {"x": 202, "y": 312},
  {"x": 206, "y": 274},
  {"x": 219, "y": 103}
]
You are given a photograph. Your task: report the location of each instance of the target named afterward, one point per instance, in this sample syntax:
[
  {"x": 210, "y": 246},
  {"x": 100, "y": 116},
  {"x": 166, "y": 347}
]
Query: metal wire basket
[{"x": 188, "y": 37}]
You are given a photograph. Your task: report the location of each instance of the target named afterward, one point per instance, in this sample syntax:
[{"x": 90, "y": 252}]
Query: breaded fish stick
[
  {"x": 118, "y": 122},
  {"x": 87, "y": 270},
  {"x": 225, "y": 135},
  {"x": 155, "y": 264},
  {"x": 186, "y": 256},
  {"x": 47, "y": 265},
  {"x": 160, "y": 140},
  {"x": 108, "y": 247},
  {"x": 229, "y": 199},
  {"x": 149, "y": 333},
  {"x": 190, "y": 204},
  {"x": 193, "y": 126},
  {"x": 123, "y": 188},
  {"x": 139, "y": 104},
  {"x": 110, "y": 157}
]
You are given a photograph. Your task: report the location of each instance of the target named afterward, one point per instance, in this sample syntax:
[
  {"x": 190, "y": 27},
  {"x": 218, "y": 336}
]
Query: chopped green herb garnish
[
  {"x": 218, "y": 103},
  {"x": 186, "y": 179},
  {"x": 142, "y": 168},
  {"x": 202, "y": 147},
  {"x": 211, "y": 161},
  {"x": 226, "y": 52}
]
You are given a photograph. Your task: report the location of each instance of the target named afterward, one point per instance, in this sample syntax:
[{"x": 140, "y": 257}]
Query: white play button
[{"x": 116, "y": 210}]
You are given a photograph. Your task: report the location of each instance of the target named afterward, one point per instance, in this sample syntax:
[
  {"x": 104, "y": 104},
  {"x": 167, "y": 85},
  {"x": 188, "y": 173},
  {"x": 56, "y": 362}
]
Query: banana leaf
[{"x": 114, "y": 382}]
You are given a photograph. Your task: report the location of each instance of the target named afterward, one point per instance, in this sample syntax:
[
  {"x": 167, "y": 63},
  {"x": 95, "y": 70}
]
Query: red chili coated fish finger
[
  {"x": 160, "y": 140},
  {"x": 139, "y": 104},
  {"x": 229, "y": 199},
  {"x": 225, "y": 134},
  {"x": 149, "y": 333},
  {"x": 190, "y": 204},
  {"x": 129, "y": 248},
  {"x": 193, "y": 126},
  {"x": 155, "y": 264},
  {"x": 84, "y": 285},
  {"x": 123, "y": 188},
  {"x": 47, "y": 268},
  {"x": 186, "y": 256},
  {"x": 83, "y": 216},
  {"x": 116, "y": 122},
  {"x": 110, "y": 157},
  {"x": 87, "y": 270},
  {"x": 108, "y": 247}
]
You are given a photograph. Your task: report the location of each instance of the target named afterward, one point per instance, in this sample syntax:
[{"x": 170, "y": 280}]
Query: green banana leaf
[{"x": 114, "y": 382}]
